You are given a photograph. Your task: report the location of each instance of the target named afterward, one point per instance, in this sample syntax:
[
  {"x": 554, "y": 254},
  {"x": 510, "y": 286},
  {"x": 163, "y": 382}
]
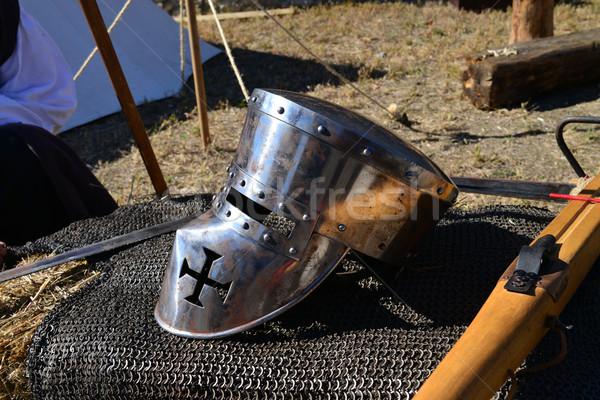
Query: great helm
[{"x": 310, "y": 180}]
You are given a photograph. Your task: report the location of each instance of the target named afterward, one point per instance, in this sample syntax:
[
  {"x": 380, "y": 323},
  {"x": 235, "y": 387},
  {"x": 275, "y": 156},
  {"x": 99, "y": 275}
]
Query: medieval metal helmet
[{"x": 310, "y": 181}]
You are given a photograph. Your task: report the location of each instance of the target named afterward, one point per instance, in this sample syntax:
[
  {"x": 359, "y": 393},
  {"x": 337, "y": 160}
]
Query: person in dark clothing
[{"x": 44, "y": 185}]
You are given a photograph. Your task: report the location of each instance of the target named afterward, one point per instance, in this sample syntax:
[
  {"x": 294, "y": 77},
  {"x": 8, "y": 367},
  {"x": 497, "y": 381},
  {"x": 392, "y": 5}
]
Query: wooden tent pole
[
  {"x": 117, "y": 77},
  {"x": 198, "y": 74},
  {"x": 531, "y": 19}
]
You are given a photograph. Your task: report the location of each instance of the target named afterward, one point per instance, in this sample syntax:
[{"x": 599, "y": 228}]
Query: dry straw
[{"x": 24, "y": 302}]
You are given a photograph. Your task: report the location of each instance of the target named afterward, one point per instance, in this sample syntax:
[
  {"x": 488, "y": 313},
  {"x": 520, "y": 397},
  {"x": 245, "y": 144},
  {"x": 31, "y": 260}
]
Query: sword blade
[
  {"x": 510, "y": 188},
  {"x": 496, "y": 187},
  {"x": 97, "y": 248}
]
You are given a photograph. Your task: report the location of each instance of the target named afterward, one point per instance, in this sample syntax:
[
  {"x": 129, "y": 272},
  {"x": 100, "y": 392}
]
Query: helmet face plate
[
  {"x": 221, "y": 282},
  {"x": 309, "y": 181}
]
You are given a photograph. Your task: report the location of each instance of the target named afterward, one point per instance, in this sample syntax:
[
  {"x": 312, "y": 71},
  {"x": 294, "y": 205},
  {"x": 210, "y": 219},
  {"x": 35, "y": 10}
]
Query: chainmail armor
[{"x": 350, "y": 339}]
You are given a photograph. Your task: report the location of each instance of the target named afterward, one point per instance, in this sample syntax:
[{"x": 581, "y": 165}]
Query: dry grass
[
  {"x": 399, "y": 53},
  {"x": 186, "y": 167}
]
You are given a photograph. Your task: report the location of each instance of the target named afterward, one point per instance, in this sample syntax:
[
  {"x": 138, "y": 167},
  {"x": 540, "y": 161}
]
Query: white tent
[{"x": 146, "y": 40}]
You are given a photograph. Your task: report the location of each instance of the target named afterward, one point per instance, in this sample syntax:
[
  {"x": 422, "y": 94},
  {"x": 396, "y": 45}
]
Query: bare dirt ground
[{"x": 398, "y": 53}]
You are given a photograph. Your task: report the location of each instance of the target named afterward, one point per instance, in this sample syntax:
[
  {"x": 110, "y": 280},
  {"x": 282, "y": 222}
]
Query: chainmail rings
[{"x": 350, "y": 339}]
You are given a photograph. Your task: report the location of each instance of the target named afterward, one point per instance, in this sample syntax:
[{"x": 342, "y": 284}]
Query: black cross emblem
[{"x": 203, "y": 279}]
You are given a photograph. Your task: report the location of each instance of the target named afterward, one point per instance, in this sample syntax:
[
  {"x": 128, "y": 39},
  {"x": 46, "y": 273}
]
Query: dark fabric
[
  {"x": 9, "y": 25},
  {"x": 349, "y": 339},
  {"x": 44, "y": 185}
]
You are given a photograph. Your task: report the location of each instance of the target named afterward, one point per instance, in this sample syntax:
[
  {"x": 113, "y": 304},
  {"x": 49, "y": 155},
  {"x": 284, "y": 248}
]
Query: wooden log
[
  {"x": 531, "y": 19},
  {"x": 509, "y": 325},
  {"x": 503, "y": 77},
  {"x": 247, "y": 14},
  {"x": 117, "y": 77}
]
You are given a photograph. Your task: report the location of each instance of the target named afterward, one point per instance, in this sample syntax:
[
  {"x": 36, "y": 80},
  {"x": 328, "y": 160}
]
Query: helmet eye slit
[
  {"x": 252, "y": 209},
  {"x": 260, "y": 214}
]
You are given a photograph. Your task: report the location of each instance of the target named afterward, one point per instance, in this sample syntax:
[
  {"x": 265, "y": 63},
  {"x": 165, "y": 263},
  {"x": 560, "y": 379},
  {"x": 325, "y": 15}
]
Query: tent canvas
[{"x": 147, "y": 42}]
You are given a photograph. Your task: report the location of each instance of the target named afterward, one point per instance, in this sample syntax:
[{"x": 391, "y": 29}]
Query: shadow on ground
[
  {"x": 558, "y": 99},
  {"x": 106, "y": 139},
  {"x": 266, "y": 70},
  {"x": 462, "y": 137}
]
